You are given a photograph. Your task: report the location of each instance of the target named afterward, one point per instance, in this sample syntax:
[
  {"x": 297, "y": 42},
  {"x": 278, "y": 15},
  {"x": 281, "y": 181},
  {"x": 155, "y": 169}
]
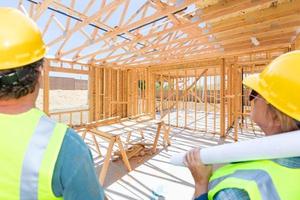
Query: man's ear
[
  {"x": 40, "y": 69},
  {"x": 40, "y": 79}
]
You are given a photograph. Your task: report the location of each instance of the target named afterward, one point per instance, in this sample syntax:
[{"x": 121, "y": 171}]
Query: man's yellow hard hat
[
  {"x": 21, "y": 41},
  {"x": 279, "y": 83}
]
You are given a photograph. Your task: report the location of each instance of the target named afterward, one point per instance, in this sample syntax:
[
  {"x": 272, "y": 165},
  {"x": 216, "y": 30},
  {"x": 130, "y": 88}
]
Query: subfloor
[{"x": 153, "y": 177}]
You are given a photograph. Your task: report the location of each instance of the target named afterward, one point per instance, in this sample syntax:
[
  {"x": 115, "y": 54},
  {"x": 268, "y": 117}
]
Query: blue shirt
[
  {"x": 74, "y": 176},
  {"x": 239, "y": 194}
]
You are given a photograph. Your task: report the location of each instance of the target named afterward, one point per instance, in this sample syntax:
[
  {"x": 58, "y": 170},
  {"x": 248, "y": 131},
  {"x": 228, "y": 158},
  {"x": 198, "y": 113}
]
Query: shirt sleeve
[
  {"x": 74, "y": 176},
  {"x": 202, "y": 197},
  {"x": 232, "y": 194}
]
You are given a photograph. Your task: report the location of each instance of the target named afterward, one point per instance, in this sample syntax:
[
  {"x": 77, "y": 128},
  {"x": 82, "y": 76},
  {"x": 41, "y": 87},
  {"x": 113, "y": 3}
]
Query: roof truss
[{"x": 122, "y": 33}]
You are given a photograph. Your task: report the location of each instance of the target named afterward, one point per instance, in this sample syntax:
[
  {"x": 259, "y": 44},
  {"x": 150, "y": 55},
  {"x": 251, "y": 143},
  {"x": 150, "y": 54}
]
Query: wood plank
[{"x": 222, "y": 99}]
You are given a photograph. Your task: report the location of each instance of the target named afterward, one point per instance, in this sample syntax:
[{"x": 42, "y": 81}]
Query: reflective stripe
[
  {"x": 263, "y": 180},
  {"x": 33, "y": 159}
]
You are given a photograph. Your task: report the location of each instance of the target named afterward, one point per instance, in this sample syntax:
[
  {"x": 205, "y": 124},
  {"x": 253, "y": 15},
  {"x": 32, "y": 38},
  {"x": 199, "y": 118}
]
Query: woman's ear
[{"x": 275, "y": 120}]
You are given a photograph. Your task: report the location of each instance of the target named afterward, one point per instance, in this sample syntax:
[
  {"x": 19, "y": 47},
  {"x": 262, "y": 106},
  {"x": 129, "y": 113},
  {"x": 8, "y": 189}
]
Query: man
[{"x": 39, "y": 158}]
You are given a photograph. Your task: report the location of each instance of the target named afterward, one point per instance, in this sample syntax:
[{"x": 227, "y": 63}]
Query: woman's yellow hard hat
[
  {"x": 21, "y": 41},
  {"x": 279, "y": 83}
]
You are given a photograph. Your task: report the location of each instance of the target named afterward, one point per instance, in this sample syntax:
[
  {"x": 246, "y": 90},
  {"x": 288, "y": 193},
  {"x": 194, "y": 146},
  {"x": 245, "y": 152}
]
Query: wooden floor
[{"x": 153, "y": 177}]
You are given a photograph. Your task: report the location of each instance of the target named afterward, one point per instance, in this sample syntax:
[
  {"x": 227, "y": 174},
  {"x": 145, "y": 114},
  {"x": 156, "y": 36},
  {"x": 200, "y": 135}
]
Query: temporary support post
[
  {"x": 195, "y": 100},
  {"x": 148, "y": 87},
  {"x": 161, "y": 96},
  {"x": 222, "y": 99},
  {"x": 46, "y": 87},
  {"x": 97, "y": 94},
  {"x": 177, "y": 97},
  {"x": 215, "y": 99},
  {"x": 153, "y": 93},
  {"x": 185, "y": 98},
  {"x": 136, "y": 92},
  {"x": 230, "y": 85},
  {"x": 168, "y": 103},
  {"x": 129, "y": 93},
  {"x": 92, "y": 93},
  {"x": 205, "y": 99},
  {"x": 109, "y": 92},
  {"x": 237, "y": 99},
  {"x": 104, "y": 92}
]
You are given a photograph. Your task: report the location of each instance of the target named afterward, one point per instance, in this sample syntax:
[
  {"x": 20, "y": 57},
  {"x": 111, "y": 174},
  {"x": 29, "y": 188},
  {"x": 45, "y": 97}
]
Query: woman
[{"x": 276, "y": 96}]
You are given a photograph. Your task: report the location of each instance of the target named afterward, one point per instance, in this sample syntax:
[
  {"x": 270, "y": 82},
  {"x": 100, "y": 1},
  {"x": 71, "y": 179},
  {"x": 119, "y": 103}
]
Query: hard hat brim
[{"x": 252, "y": 81}]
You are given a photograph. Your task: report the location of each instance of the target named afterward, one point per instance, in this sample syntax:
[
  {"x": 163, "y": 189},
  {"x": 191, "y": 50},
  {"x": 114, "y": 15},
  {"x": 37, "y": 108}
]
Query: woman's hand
[{"x": 200, "y": 172}]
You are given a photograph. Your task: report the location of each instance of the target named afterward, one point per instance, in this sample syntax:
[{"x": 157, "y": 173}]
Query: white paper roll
[
  {"x": 270, "y": 147},
  {"x": 177, "y": 159}
]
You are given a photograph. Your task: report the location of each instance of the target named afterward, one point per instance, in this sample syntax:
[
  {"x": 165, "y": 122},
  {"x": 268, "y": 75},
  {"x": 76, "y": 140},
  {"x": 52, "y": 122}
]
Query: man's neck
[{"x": 16, "y": 106}]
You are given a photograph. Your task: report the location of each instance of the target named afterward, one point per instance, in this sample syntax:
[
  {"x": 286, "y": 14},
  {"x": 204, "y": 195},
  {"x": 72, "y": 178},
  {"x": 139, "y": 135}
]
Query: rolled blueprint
[{"x": 270, "y": 147}]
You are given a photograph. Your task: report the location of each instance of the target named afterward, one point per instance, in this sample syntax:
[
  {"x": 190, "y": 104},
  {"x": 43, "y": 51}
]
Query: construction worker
[
  {"x": 39, "y": 158},
  {"x": 276, "y": 96}
]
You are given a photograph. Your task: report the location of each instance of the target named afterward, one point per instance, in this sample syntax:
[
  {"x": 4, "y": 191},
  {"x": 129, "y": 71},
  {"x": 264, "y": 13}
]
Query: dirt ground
[{"x": 64, "y": 99}]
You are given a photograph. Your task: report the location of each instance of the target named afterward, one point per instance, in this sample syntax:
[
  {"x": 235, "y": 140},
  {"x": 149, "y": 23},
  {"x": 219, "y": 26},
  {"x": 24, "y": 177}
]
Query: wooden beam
[
  {"x": 66, "y": 70},
  {"x": 247, "y": 24},
  {"x": 218, "y": 54},
  {"x": 41, "y": 7},
  {"x": 136, "y": 24},
  {"x": 87, "y": 21},
  {"x": 91, "y": 95},
  {"x": 222, "y": 99},
  {"x": 46, "y": 87}
]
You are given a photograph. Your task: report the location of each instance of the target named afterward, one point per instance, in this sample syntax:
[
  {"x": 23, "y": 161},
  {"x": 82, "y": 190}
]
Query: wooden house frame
[{"x": 166, "y": 55}]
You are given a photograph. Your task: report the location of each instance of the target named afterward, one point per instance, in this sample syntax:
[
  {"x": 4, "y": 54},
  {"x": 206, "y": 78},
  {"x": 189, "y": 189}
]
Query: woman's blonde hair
[{"x": 286, "y": 123}]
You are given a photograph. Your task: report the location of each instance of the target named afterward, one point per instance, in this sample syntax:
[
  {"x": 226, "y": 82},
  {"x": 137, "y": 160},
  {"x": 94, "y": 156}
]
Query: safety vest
[
  {"x": 262, "y": 180},
  {"x": 29, "y": 145}
]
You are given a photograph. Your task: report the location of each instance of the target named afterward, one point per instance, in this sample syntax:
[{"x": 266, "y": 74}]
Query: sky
[{"x": 77, "y": 38}]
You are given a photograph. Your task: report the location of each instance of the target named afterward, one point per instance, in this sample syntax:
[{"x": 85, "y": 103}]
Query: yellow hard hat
[
  {"x": 21, "y": 41},
  {"x": 279, "y": 83}
]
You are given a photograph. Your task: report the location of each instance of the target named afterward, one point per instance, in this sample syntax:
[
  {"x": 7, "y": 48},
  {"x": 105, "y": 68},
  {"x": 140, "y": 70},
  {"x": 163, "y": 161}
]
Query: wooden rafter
[{"x": 161, "y": 32}]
